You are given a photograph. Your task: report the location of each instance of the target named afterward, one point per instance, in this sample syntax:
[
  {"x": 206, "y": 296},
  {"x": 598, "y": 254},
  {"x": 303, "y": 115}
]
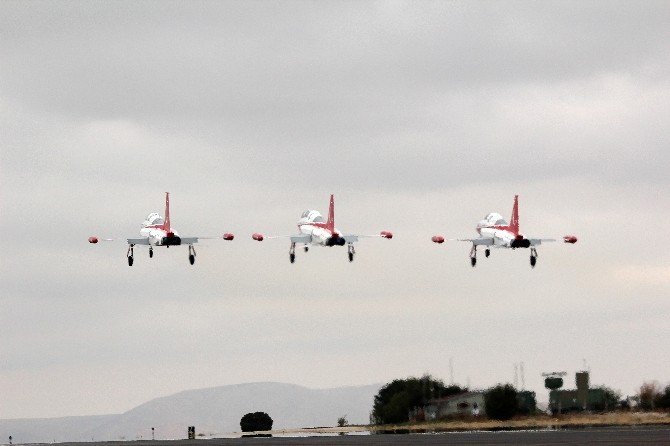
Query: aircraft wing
[
  {"x": 353, "y": 238},
  {"x": 191, "y": 240},
  {"x": 300, "y": 238},
  {"x": 539, "y": 241},
  {"x": 303, "y": 238},
  {"x": 482, "y": 241},
  {"x": 138, "y": 241}
]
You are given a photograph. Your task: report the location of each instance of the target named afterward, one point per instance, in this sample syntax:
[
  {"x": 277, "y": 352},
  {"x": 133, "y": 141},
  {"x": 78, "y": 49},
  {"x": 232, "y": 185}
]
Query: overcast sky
[{"x": 421, "y": 118}]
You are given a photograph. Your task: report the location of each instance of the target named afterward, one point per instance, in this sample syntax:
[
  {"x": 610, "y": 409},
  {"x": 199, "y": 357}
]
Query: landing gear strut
[
  {"x": 533, "y": 257},
  {"x": 129, "y": 254},
  {"x": 191, "y": 254},
  {"x": 151, "y": 252},
  {"x": 473, "y": 256},
  {"x": 351, "y": 251},
  {"x": 291, "y": 253}
]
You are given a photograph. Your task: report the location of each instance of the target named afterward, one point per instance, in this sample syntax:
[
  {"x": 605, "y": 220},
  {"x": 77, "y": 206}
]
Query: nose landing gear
[
  {"x": 291, "y": 253},
  {"x": 473, "y": 255},
  {"x": 306, "y": 248},
  {"x": 487, "y": 252},
  {"x": 191, "y": 254},
  {"x": 351, "y": 251},
  {"x": 151, "y": 252}
]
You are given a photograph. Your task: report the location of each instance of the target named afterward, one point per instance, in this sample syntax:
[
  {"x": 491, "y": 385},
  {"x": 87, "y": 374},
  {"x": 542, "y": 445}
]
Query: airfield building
[{"x": 580, "y": 399}]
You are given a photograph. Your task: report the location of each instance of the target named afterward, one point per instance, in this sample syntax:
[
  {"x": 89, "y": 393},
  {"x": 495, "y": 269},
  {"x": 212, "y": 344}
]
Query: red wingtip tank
[
  {"x": 93, "y": 239},
  {"x": 228, "y": 236},
  {"x": 386, "y": 234},
  {"x": 437, "y": 239},
  {"x": 570, "y": 239},
  {"x": 258, "y": 237}
]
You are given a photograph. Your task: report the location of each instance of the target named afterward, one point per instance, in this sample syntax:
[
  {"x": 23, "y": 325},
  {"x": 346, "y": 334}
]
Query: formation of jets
[{"x": 494, "y": 232}]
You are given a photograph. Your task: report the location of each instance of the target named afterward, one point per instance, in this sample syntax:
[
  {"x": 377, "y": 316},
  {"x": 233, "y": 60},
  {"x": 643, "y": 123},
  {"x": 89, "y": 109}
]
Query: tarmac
[{"x": 629, "y": 435}]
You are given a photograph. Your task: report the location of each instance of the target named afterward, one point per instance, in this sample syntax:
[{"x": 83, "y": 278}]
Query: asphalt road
[{"x": 637, "y": 435}]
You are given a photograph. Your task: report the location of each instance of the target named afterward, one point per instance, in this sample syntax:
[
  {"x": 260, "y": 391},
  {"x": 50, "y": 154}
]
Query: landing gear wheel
[
  {"x": 129, "y": 254},
  {"x": 306, "y": 248},
  {"x": 473, "y": 255},
  {"x": 151, "y": 253},
  {"x": 291, "y": 252},
  {"x": 351, "y": 251},
  {"x": 191, "y": 254},
  {"x": 351, "y": 256},
  {"x": 487, "y": 252},
  {"x": 533, "y": 257},
  {"x": 473, "y": 261}
]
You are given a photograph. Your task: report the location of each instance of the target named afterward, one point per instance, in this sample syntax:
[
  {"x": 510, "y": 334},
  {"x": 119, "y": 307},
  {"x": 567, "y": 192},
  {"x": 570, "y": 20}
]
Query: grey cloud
[{"x": 421, "y": 118}]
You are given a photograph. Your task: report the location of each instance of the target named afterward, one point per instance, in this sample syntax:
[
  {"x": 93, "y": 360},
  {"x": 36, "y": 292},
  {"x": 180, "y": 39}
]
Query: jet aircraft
[
  {"x": 495, "y": 232},
  {"x": 314, "y": 230},
  {"x": 157, "y": 231}
]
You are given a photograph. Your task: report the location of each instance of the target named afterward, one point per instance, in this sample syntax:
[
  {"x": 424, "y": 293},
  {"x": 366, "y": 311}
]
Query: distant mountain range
[{"x": 214, "y": 412}]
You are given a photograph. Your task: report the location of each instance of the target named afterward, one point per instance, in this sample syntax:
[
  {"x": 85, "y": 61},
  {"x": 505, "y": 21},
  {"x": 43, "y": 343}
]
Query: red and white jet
[
  {"x": 314, "y": 230},
  {"x": 157, "y": 231},
  {"x": 495, "y": 232}
]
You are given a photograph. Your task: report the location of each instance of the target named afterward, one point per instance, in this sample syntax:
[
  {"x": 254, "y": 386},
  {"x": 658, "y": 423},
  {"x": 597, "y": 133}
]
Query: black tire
[
  {"x": 306, "y": 248},
  {"x": 487, "y": 252},
  {"x": 191, "y": 259},
  {"x": 130, "y": 260},
  {"x": 151, "y": 253},
  {"x": 291, "y": 257},
  {"x": 473, "y": 261},
  {"x": 533, "y": 261},
  {"x": 351, "y": 256}
]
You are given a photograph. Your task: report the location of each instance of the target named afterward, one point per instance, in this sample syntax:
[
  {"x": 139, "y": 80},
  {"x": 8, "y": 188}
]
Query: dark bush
[
  {"x": 257, "y": 421},
  {"x": 396, "y": 399},
  {"x": 501, "y": 402}
]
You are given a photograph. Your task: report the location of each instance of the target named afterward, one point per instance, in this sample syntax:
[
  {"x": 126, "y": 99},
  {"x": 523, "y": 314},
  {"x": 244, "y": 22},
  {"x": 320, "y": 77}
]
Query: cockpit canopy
[
  {"x": 495, "y": 219},
  {"x": 154, "y": 219},
  {"x": 313, "y": 216}
]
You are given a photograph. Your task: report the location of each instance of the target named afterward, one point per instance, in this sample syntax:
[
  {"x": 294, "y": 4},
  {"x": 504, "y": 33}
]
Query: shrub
[
  {"x": 501, "y": 402},
  {"x": 396, "y": 399},
  {"x": 257, "y": 421}
]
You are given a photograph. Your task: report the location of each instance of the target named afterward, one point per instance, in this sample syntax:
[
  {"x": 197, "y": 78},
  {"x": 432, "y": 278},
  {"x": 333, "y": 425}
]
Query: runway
[{"x": 637, "y": 435}]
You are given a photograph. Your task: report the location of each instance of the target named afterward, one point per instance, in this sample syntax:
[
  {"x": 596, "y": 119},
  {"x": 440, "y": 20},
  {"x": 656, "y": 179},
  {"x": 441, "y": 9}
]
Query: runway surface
[{"x": 637, "y": 435}]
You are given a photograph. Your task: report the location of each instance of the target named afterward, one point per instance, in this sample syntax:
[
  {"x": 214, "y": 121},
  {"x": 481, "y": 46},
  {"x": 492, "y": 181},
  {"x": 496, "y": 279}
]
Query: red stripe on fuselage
[{"x": 318, "y": 225}]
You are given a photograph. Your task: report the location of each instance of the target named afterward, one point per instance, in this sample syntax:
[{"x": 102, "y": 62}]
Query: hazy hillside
[{"x": 212, "y": 411}]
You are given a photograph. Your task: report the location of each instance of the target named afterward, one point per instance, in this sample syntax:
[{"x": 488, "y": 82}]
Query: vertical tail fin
[
  {"x": 514, "y": 222},
  {"x": 331, "y": 213},
  {"x": 166, "y": 225}
]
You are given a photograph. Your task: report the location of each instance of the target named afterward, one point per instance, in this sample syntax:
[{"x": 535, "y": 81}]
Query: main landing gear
[
  {"x": 291, "y": 253},
  {"x": 129, "y": 254},
  {"x": 473, "y": 255},
  {"x": 191, "y": 254},
  {"x": 351, "y": 251},
  {"x": 533, "y": 257},
  {"x": 151, "y": 252}
]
